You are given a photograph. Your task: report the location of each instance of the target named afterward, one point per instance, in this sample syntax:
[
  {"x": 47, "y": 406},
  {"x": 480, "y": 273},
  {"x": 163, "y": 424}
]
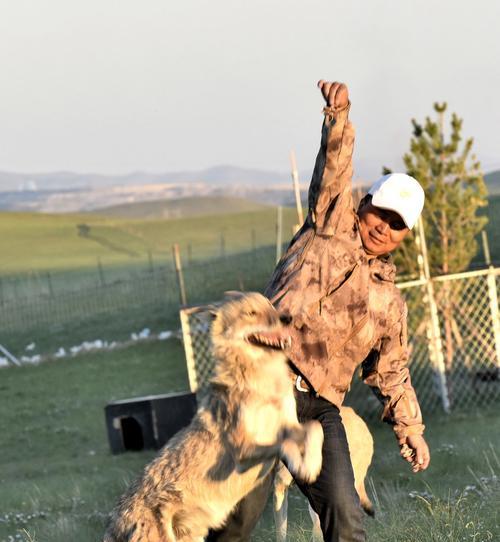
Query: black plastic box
[{"x": 147, "y": 422}]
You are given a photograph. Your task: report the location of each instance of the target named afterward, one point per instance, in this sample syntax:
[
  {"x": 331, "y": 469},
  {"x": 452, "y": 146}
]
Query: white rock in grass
[
  {"x": 32, "y": 359},
  {"x": 61, "y": 353},
  {"x": 144, "y": 334},
  {"x": 30, "y": 347},
  {"x": 134, "y": 336},
  {"x": 4, "y": 362},
  {"x": 87, "y": 345},
  {"x": 164, "y": 335},
  {"x": 75, "y": 349},
  {"x": 98, "y": 344}
]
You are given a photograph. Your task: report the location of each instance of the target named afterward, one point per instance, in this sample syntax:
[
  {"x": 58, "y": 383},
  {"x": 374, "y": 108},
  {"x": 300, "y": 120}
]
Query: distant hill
[
  {"x": 493, "y": 182},
  {"x": 63, "y": 192},
  {"x": 181, "y": 208},
  {"x": 222, "y": 175}
]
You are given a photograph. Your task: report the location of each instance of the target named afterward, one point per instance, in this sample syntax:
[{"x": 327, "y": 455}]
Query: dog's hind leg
[
  {"x": 366, "y": 504},
  {"x": 282, "y": 482},
  {"x": 317, "y": 534}
]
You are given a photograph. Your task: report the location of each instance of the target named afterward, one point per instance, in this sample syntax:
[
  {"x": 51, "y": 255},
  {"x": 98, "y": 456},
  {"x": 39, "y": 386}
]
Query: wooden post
[
  {"x": 296, "y": 189},
  {"x": 100, "y": 271},
  {"x": 49, "y": 284},
  {"x": 279, "y": 230},
  {"x": 241, "y": 283},
  {"x": 493, "y": 296},
  {"x": 222, "y": 245},
  {"x": 486, "y": 248},
  {"x": 254, "y": 240},
  {"x": 189, "y": 350},
  {"x": 179, "y": 274},
  {"x": 432, "y": 326}
]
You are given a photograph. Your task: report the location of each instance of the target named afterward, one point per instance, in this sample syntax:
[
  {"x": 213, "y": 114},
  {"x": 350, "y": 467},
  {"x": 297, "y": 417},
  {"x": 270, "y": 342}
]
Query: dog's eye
[{"x": 251, "y": 313}]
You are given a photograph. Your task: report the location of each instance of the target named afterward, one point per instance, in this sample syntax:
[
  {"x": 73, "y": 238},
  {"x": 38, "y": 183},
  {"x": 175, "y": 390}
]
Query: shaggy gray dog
[{"x": 244, "y": 425}]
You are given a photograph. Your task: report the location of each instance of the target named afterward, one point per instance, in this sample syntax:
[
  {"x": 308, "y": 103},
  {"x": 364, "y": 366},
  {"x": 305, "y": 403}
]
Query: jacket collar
[{"x": 383, "y": 268}]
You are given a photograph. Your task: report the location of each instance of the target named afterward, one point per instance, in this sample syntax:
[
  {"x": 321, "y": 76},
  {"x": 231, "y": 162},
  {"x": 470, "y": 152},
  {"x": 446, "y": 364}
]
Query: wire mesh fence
[
  {"x": 59, "y": 316},
  {"x": 461, "y": 371}
]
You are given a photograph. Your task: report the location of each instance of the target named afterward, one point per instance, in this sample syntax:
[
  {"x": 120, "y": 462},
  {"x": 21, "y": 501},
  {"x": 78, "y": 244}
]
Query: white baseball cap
[{"x": 400, "y": 193}]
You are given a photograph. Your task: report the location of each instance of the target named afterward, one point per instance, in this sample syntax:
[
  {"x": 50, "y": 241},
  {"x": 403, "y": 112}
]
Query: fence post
[
  {"x": 100, "y": 271},
  {"x": 49, "y": 283},
  {"x": 432, "y": 325},
  {"x": 296, "y": 189},
  {"x": 179, "y": 274},
  {"x": 9, "y": 356},
  {"x": 188, "y": 350},
  {"x": 279, "y": 229},
  {"x": 222, "y": 245},
  {"x": 493, "y": 296}
]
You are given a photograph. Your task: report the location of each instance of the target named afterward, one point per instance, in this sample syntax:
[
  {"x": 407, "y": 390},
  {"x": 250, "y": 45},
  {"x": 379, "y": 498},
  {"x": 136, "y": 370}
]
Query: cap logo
[{"x": 405, "y": 194}]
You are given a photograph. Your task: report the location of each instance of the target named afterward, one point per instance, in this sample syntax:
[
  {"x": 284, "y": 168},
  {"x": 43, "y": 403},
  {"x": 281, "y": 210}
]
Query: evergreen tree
[{"x": 455, "y": 190}]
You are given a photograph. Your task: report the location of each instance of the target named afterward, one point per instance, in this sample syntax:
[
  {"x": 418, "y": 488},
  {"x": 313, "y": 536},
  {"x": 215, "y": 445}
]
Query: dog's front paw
[
  {"x": 304, "y": 460},
  {"x": 313, "y": 452}
]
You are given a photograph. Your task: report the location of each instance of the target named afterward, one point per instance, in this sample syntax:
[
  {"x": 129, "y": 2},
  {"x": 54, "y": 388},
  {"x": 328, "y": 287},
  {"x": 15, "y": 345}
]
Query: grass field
[
  {"x": 58, "y": 480},
  {"x": 182, "y": 208},
  {"x": 42, "y": 242},
  {"x": 33, "y": 243}
]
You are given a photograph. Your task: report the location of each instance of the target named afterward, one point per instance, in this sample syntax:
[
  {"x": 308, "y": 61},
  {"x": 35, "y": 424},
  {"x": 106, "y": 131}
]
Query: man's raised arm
[{"x": 330, "y": 192}]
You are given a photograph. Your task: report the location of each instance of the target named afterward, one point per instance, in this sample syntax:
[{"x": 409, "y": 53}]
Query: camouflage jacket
[{"x": 346, "y": 310}]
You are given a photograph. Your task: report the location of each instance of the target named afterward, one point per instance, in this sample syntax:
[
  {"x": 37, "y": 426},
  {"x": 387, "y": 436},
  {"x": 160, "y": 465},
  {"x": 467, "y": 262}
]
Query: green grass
[
  {"x": 182, "y": 207},
  {"x": 43, "y": 242},
  {"x": 58, "y": 480},
  {"x": 54, "y": 457},
  {"x": 44, "y": 253},
  {"x": 144, "y": 300},
  {"x": 51, "y": 242}
]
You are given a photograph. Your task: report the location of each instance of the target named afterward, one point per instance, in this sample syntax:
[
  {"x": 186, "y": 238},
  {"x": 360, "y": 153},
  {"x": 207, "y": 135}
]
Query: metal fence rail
[{"x": 456, "y": 366}]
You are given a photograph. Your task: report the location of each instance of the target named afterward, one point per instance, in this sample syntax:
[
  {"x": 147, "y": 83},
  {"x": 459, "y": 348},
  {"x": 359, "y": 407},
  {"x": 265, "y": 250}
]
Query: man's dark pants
[{"x": 333, "y": 496}]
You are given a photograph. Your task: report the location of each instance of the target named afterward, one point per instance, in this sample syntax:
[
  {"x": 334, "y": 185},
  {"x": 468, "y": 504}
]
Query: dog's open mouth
[{"x": 268, "y": 339}]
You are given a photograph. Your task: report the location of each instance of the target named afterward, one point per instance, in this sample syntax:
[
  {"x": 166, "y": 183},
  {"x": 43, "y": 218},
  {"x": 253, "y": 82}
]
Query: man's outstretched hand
[
  {"x": 335, "y": 94},
  {"x": 415, "y": 450}
]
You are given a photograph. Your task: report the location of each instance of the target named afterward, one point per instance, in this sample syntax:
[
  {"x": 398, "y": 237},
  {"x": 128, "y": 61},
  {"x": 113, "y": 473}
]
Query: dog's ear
[
  {"x": 233, "y": 295},
  {"x": 212, "y": 311}
]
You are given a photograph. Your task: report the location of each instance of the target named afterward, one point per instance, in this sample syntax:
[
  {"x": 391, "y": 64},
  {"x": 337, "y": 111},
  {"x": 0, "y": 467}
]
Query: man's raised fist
[{"x": 335, "y": 94}]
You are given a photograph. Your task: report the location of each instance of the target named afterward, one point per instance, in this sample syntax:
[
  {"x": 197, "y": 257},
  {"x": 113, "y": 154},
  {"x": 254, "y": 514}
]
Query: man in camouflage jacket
[{"x": 336, "y": 284}]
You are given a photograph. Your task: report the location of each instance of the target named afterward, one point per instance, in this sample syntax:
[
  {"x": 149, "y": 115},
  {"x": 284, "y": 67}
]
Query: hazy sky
[{"x": 160, "y": 85}]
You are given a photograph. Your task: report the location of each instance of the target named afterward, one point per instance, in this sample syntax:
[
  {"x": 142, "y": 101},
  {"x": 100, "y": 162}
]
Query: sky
[{"x": 119, "y": 86}]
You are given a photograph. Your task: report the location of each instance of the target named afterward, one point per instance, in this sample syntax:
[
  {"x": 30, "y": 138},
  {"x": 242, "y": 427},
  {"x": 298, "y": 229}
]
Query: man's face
[{"x": 381, "y": 230}]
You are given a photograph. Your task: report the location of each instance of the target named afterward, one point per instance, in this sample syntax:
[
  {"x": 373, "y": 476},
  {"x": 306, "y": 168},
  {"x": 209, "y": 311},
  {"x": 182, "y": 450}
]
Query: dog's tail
[{"x": 366, "y": 504}]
